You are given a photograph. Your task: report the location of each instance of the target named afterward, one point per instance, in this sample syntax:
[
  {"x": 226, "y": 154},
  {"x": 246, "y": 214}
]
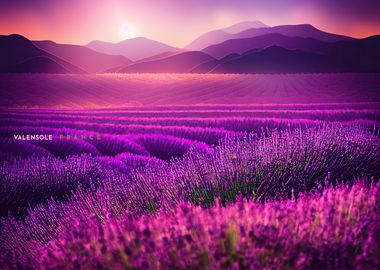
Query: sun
[{"x": 129, "y": 30}]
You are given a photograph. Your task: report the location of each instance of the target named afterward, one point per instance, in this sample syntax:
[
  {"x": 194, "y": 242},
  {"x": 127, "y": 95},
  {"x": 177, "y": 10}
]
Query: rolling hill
[
  {"x": 220, "y": 35},
  {"x": 361, "y": 55},
  {"x": 38, "y": 64},
  {"x": 344, "y": 56},
  {"x": 241, "y": 26},
  {"x": 83, "y": 57},
  {"x": 134, "y": 49},
  {"x": 18, "y": 54},
  {"x": 179, "y": 63},
  {"x": 302, "y": 30},
  {"x": 243, "y": 45},
  {"x": 276, "y": 59},
  {"x": 277, "y": 50}
]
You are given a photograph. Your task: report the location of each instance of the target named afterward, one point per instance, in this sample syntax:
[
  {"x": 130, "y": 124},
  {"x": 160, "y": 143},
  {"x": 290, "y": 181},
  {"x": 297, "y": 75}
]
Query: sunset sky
[{"x": 176, "y": 22}]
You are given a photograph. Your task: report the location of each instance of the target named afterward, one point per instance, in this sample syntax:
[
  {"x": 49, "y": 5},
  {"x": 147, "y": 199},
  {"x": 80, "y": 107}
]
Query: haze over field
[{"x": 97, "y": 91}]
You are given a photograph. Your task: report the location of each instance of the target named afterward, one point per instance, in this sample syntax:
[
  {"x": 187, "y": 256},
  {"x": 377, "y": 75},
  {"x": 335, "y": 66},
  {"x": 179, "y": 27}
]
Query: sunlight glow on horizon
[
  {"x": 174, "y": 22},
  {"x": 128, "y": 31}
]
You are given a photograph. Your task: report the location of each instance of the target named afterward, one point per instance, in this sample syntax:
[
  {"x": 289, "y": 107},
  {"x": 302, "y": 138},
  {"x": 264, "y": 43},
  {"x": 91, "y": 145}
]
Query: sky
[{"x": 176, "y": 22}]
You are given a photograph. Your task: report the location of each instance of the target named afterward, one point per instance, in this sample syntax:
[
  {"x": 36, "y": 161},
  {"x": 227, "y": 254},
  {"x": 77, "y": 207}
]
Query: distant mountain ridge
[
  {"x": 83, "y": 57},
  {"x": 301, "y": 30},
  {"x": 273, "y": 53},
  {"x": 38, "y": 64},
  {"x": 220, "y": 35},
  {"x": 18, "y": 54},
  {"x": 275, "y": 59},
  {"x": 179, "y": 63},
  {"x": 343, "y": 56},
  {"x": 243, "y": 45},
  {"x": 279, "y": 49},
  {"x": 241, "y": 26},
  {"x": 134, "y": 49}
]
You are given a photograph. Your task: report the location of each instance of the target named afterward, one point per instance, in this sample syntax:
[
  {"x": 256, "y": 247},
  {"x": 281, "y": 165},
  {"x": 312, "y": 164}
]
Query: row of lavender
[
  {"x": 165, "y": 131},
  {"x": 296, "y": 160},
  {"x": 151, "y": 164},
  {"x": 202, "y": 107},
  {"x": 122, "y": 117},
  {"x": 125, "y": 147},
  {"x": 262, "y": 168},
  {"x": 335, "y": 229}
]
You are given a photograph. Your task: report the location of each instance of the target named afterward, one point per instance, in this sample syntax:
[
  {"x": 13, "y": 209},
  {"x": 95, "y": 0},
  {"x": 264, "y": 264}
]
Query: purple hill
[
  {"x": 300, "y": 55},
  {"x": 241, "y": 26},
  {"x": 276, "y": 59},
  {"x": 303, "y": 30},
  {"x": 161, "y": 56},
  {"x": 209, "y": 38},
  {"x": 210, "y": 65},
  {"x": 243, "y": 45},
  {"x": 220, "y": 35},
  {"x": 134, "y": 49},
  {"x": 358, "y": 55},
  {"x": 148, "y": 59},
  {"x": 39, "y": 64},
  {"x": 179, "y": 63},
  {"x": 83, "y": 57},
  {"x": 344, "y": 56},
  {"x": 18, "y": 54}
]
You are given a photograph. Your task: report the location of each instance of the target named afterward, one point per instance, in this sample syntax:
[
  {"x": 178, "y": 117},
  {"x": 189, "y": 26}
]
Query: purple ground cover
[
  {"x": 264, "y": 186},
  {"x": 332, "y": 229}
]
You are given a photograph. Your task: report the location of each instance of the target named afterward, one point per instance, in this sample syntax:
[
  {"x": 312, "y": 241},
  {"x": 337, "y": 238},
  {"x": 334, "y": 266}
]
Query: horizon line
[{"x": 180, "y": 47}]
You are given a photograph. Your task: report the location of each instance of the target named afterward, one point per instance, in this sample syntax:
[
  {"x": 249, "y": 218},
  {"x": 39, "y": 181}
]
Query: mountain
[
  {"x": 264, "y": 55},
  {"x": 209, "y": 38},
  {"x": 148, "y": 59},
  {"x": 179, "y": 63},
  {"x": 267, "y": 53},
  {"x": 83, "y": 57},
  {"x": 38, "y": 64},
  {"x": 302, "y": 30},
  {"x": 220, "y": 35},
  {"x": 161, "y": 55},
  {"x": 362, "y": 55},
  {"x": 241, "y": 26},
  {"x": 210, "y": 65},
  {"x": 134, "y": 49},
  {"x": 243, "y": 45},
  {"x": 18, "y": 54},
  {"x": 276, "y": 59}
]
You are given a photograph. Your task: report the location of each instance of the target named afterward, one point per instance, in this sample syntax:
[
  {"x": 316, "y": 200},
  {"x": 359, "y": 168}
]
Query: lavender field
[
  {"x": 190, "y": 171},
  {"x": 119, "y": 90}
]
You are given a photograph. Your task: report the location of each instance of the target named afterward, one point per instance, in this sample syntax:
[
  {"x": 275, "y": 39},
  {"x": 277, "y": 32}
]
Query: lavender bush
[
  {"x": 279, "y": 166},
  {"x": 12, "y": 148},
  {"x": 25, "y": 183},
  {"x": 199, "y": 187},
  {"x": 337, "y": 229},
  {"x": 168, "y": 147}
]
